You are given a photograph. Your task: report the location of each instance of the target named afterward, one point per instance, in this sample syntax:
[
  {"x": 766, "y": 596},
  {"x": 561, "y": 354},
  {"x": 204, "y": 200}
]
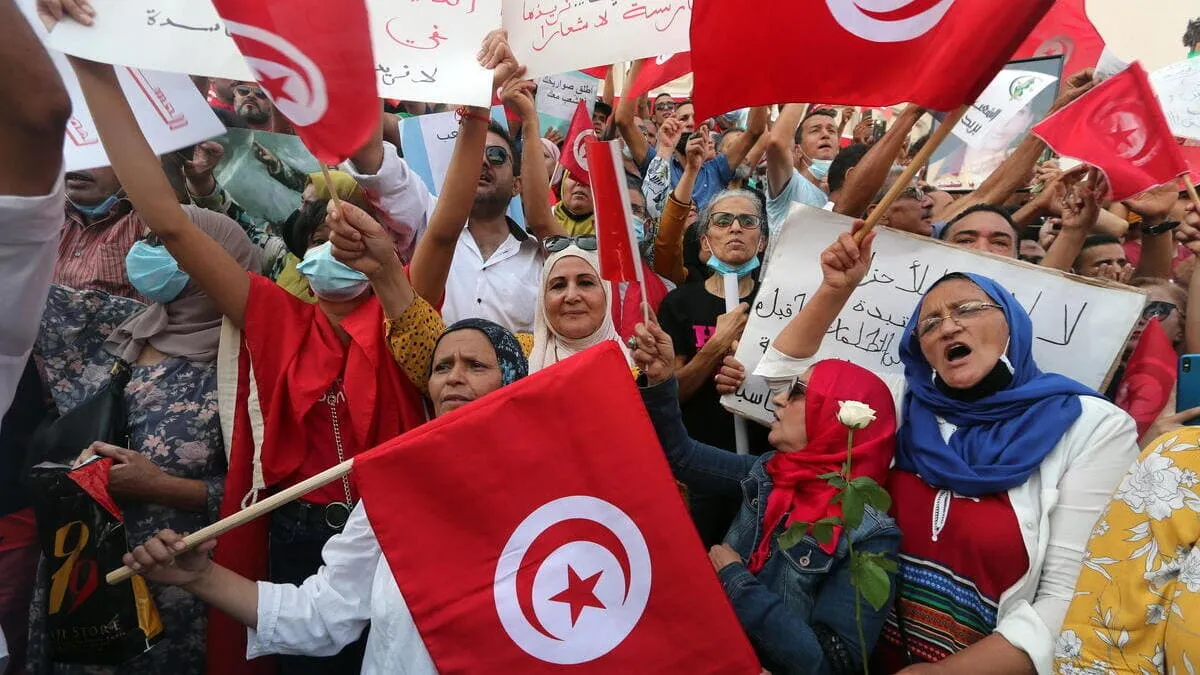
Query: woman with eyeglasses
[
  {"x": 1001, "y": 471},
  {"x": 796, "y": 604}
]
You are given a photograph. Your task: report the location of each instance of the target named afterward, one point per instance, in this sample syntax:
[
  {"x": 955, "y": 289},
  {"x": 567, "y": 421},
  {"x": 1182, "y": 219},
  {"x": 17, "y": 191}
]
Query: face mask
[
  {"x": 820, "y": 168},
  {"x": 99, "y": 209},
  {"x": 722, "y": 267},
  {"x": 329, "y": 277},
  {"x": 639, "y": 229},
  {"x": 154, "y": 273}
]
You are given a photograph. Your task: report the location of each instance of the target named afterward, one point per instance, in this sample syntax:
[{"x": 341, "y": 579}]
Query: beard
[
  {"x": 490, "y": 204},
  {"x": 253, "y": 114}
]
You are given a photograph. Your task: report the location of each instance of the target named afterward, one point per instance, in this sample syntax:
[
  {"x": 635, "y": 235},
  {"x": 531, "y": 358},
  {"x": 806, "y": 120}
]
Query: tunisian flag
[
  {"x": 928, "y": 52},
  {"x": 1119, "y": 128},
  {"x": 314, "y": 59},
  {"x": 1149, "y": 377},
  {"x": 574, "y": 151},
  {"x": 614, "y": 214},
  {"x": 527, "y": 542},
  {"x": 659, "y": 71},
  {"x": 1065, "y": 30}
]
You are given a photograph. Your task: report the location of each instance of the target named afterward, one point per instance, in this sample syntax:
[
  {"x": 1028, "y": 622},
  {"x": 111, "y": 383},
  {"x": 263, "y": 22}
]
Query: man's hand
[
  {"x": 496, "y": 56},
  {"x": 653, "y": 352},
  {"x": 162, "y": 559},
  {"x": 1155, "y": 204},
  {"x": 669, "y": 134},
  {"x": 517, "y": 95},
  {"x": 53, "y": 11},
  {"x": 554, "y": 136},
  {"x": 730, "y": 375},
  {"x": 1077, "y": 85},
  {"x": 199, "y": 169},
  {"x": 722, "y": 556},
  {"x": 1080, "y": 207},
  {"x": 845, "y": 263},
  {"x": 360, "y": 241}
]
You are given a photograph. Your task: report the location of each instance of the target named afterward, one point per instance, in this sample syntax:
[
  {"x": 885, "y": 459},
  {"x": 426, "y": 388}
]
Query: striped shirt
[{"x": 92, "y": 255}]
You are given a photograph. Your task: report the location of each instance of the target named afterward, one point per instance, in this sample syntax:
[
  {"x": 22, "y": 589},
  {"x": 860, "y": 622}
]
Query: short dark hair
[
  {"x": 1099, "y": 240},
  {"x": 1191, "y": 35},
  {"x": 827, "y": 112},
  {"x": 981, "y": 208},
  {"x": 846, "y": 159},
  {"x": 723, "y": 134},
  {"x": 662, "y": 95},
  {"x": 495, "y": 127},
  {"x": 602, "y": 108}
]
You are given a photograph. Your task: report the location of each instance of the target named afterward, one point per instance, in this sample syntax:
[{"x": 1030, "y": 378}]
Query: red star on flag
[
  {"x": 274, "y": 86},
  {"x": 579, "y": 593}
]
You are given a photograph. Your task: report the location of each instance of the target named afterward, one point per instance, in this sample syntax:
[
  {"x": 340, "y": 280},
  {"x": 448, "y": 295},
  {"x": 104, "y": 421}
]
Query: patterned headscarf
[{"x": 510, "y": 358}]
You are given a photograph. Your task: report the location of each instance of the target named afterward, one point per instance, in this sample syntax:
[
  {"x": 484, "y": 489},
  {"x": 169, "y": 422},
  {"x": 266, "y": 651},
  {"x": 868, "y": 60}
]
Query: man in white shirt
[{"x": 812, "y": 147}]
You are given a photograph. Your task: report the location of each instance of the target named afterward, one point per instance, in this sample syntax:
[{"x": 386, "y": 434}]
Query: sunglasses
[
  {"x": 245, "y": 91},
  {"x": 799, "y": 389},
  {"x": 495, "y": 155},
  {"x": 558, "y": 242},
  {"x": 664, "y": 107},
  {"x": 748, "y": 221},
  {"x": 1159, "y": 309}
]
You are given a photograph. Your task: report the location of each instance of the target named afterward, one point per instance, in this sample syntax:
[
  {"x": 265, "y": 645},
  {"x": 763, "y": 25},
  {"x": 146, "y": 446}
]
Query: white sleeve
[
  {"x": 1107, "y": 445},
  {"x": 401, "y": 198},
  {"x": 331, "y": 608},
  {"x": 29, "y": 233}
]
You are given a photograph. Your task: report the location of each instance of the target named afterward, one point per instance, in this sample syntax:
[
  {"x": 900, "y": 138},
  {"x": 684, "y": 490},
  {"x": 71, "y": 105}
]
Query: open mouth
[
  {"x": 76, "y": 177},
  {"x": 456, "y": 398},
  {"x": 957, "y": 352}
]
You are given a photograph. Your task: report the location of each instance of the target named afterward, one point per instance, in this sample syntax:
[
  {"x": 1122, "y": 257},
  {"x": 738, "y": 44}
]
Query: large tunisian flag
[
  {"x": 1066, "y": 30},
  {"x": 524, "y": 542},
  {"x": 929, "y": 52},
  {"x": 314, "y": 59}
]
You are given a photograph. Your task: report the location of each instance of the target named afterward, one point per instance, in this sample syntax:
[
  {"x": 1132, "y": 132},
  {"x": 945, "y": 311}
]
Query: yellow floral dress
[{"x": 1137, "y": 602}]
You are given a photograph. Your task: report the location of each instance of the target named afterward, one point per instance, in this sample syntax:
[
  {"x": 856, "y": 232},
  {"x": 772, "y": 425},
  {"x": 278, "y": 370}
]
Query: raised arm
[
  {"x": 624, "y": 118},
  {"x": 870, "y": 173},
  {"x": 1079, "y": 213},
  {"x": 1158, "y": 250},
  {"x": 756, "y": 126},
  {"x": 779, "y": 148},
  {"x": 216, "y": 272},
  {"x": 535, "y": 182}
]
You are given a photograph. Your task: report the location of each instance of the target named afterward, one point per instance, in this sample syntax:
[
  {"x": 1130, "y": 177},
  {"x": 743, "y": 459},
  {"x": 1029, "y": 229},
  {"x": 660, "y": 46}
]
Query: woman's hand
[
  {"x": 360, "y": 241},
  {"x": 517, "y": 95},
  {"x": 132, "y": 477},
  {"x": 653, "y": 352},
  {"x": 554, "y": 136},
  {"x": 723, "y": 556},
  {"x": 730, "y": 375},
  {"x": 162, "y": 559},
  {"x": 669, "y": 134},
  {"x": 53, "y": 11},
  {"x": 845, "y": 262},
  {"x": 730, "y": 326}
]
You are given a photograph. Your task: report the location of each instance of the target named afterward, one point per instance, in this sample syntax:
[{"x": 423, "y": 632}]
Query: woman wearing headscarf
[
  {"x": 354, "y": 589},
  {"x": 797, "y": 605},
  {"x": 173, "y": 472},
  {"x": 1001, "y": 471}
]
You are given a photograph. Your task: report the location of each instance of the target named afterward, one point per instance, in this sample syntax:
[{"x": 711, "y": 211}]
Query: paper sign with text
[
  {"x": 1178, "y": 89},
  {"x": 1005, "y": 96},
  {"x": 1080, "y": 327},
  {"x": 559, "y": 95},
  {"x": 555, "y": 36},
  {"x": 424, "y": 49}
]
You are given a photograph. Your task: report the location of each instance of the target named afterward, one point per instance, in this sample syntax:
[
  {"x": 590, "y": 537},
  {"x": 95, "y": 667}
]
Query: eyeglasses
[
  {"x": 748, "y": 221},
  {"x": 244, "y": 91},
  {"x": 495, "y": 155},
  {"x": 961, "y": 313},
  {"x": 1159, "y": 309},
  {"x": 799, "y": 389},
  {"x": 913, "y": 193},
  {"x": 558, "y": 242},
  {"x": 664, "y": 107}
]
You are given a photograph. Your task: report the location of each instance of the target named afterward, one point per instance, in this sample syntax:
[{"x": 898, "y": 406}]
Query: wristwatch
[{"x": 1164, "y": 226}]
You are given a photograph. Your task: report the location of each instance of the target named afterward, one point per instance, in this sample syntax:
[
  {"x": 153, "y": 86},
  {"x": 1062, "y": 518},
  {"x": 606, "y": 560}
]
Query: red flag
[
  {"x": 314, "y": 59},
  {"x": 1119, "y": 128},
  {"x": 661, "y": 71},
  {"x": 598, "y": 72},
  {"x": 928, "y": 52},
  {"x": 550, "y": 541},
  {"x": 1191, "y": 155},
  {"x": 1149, "y": 377},
  {"x": 614, "y": 215},
  {"x": 574, "y": 156},
  {"x": 1066, "y": 30}
]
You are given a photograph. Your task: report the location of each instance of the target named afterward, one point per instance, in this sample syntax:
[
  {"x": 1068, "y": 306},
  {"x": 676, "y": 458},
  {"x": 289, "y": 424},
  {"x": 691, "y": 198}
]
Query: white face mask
[{"x": 819, "y": 168}]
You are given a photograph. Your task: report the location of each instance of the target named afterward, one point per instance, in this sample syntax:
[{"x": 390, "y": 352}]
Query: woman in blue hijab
[{"x": 1001, "y": 472}]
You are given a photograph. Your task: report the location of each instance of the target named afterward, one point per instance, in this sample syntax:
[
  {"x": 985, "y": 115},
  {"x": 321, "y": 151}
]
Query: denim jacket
[{"x": 799, "y": 609}]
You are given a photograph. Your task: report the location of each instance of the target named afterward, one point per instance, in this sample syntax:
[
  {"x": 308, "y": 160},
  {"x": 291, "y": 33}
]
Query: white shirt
[
  {"x": 400, "y": 197},
  {"x": 1056, "y": 508},
  {"x": 798, "y": 190},
  {"x": 503, "y": 288},
  {"x": 29, "y": 231},
  {"x": 354, "y": 588}
]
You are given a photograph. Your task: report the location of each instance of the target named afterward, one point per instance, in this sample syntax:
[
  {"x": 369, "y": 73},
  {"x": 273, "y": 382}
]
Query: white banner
[
  {"x": 555, "y": 36},
  {"x": 1004, "y": 97},
  {"x": 1080, "y": 326},
  {"x": 1178, "y": 89},
  {"x": 424, "y": 49}
]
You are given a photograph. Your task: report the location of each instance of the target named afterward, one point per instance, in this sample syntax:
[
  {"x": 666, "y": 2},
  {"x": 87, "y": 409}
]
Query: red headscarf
[{"x": 797, "y": 491}]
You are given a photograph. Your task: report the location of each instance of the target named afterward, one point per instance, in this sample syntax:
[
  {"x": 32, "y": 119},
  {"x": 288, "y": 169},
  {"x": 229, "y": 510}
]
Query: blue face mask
[
  {"x": 820, "y": 168},
  {"x": 99, "y": 209},
  {"x": 154, "y": 273},
  {"x": 330, "y": 278},
  {"x": 722, "y": 267}
]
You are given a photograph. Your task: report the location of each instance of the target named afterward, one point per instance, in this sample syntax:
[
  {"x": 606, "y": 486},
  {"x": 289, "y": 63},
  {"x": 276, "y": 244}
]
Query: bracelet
[
  {"x": 465, "y": 113},
  {"x": 1161, "y": 228}
]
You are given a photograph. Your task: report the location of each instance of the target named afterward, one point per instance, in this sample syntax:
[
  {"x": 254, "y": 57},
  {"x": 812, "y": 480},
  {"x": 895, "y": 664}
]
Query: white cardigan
[
  {"x": 353, "y": 589},
  {"x": 1056, "y": 508}
]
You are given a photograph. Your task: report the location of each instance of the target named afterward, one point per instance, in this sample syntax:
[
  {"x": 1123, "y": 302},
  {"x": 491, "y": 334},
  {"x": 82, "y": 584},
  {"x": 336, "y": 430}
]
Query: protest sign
[
  {"x": 555, "y": 36},
  {"x": 1080, "y": 325},
  {"x": 1006, "y": 95},
  {"x": 559, "y": 95},
  {"x": 1178, "y": 89},
  {"x": 424, "y": 51},
  {"x": 264, "y": 172}
]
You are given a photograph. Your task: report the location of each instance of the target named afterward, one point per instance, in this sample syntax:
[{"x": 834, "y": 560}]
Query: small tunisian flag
[
  {"x": 314, "y": 59},
  {"x": 1119, "y": 128},
  {"x": 1066, "y": 30},
  {"x": 1149, "y": 377},
  {"x": 574, "y": 155},
  {"x": 928, "y": 52},
  {"x": 659, "y": 71},
  {"x": 619, "y": 260},
  {"x": 550, "y": 541}
]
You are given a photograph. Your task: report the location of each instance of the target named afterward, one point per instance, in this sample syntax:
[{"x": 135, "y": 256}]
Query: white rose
[{"x": 855, "y": 414}]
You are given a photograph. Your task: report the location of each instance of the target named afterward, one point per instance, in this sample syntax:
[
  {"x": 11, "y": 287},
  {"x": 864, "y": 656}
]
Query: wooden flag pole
[
  {"x": 249, "y": 513},
  {"x": 333, "y": 195},
  {"x": 905, "y": 178}
]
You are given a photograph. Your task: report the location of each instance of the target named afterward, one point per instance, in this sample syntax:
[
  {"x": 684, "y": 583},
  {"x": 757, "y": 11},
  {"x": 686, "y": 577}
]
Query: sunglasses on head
[
  {"x": 244, "y": 91},
  {"x": 495, "y": 155},
  {"x": 558, "y": 242},
  {"x": 1158, "y": 308}
]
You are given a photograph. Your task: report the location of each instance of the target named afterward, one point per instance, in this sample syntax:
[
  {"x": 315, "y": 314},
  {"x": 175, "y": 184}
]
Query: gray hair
[{"x": 710, "y": 208}]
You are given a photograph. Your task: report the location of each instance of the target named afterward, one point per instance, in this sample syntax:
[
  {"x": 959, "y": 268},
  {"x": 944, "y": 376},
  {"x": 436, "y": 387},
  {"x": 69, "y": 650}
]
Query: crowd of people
[{"x": 1033, "y": 529}]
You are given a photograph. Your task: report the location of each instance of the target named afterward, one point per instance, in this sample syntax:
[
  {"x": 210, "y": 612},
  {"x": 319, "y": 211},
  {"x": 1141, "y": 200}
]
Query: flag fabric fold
[
  {"x": 619, "y": 259},
  {"x": 659, "y": 71},
  {"x": 1066, "y": 30},
  {"x": 574, "y": 150},
  {"x": 1149, "y": 377}
]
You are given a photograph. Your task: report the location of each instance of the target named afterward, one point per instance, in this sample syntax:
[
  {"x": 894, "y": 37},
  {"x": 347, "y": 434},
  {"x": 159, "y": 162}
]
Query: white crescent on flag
[
  {"x": 294, "y": 83},
  {"x": 579, "y": 148},
  {"x": 888, "y": 20}
]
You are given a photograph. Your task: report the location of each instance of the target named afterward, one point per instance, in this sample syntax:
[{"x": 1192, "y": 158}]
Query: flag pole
[
  {"x": 249, "y": 513},
  {"x": 902, "y": 182},
  {"x": 333, "y": 195}
]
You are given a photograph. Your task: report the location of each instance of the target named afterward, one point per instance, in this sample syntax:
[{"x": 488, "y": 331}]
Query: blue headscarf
[
  {"x": 509, "y": 357},
  {"x": 1001, "y": 438}
]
